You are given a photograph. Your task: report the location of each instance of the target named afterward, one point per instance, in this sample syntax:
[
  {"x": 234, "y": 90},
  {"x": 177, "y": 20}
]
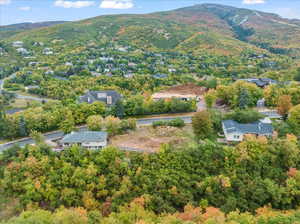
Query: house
[
  {"x": 86, "y": 139},
  {"x": 272, "y": 114},
  {"x": 17, "y": 44},
  {"x": 260, "y": 82},
  {"x": 160, "y": 76},
  {"x": 22, "y": 50},
  {"x": 47, "y": 51},
  {"x": 261, "y": 103},
  {"x": 172, "y": 70},
  {"x": 235, "y": 132},
  {"x": 109, "y": 97}
]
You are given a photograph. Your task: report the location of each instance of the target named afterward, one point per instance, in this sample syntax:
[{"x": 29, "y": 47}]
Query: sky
[{"x": 18, "y": 11}]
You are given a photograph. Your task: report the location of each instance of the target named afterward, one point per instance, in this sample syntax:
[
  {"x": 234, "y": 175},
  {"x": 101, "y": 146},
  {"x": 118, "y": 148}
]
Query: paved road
[
  {"x": 31, "y": 98},
  {"x": 20, "y": 96},
  {"x": 59, "y": 134}
]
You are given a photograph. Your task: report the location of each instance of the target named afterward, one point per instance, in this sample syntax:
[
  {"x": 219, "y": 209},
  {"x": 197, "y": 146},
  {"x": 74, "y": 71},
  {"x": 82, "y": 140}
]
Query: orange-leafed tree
[{"x": 284, "y": 105}]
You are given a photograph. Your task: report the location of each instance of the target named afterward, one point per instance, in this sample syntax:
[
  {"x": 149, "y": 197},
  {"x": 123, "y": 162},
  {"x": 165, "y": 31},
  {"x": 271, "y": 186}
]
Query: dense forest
[{"x": 256, "y": 173}]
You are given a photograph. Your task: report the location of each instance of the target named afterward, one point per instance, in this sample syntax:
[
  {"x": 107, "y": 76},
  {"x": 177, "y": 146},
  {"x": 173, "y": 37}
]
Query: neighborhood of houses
[
  {"x": 107, "y": 64},
  {"x": 233, "y": 131}
]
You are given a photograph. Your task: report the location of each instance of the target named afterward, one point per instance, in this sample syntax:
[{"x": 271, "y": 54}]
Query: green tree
[
  {"x": 210, "y": 98},
  {"x": 119, "y": 110},
  {"x": 284, "y": 105},
  {"x": 294, "y": 118},
  {"x": 202, "y": 125},
  {"x": 243, "y": 99},
  {"x": 68, "y": 124},
  {"x": 22, "y": 127},
  {"x": 95, "y": 123}
]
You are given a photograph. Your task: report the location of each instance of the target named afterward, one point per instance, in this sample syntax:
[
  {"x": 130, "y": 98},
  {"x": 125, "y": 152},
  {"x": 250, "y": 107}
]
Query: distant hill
[
  {"x": 209, "y": 28},
  {"x": 10, "y": 30}
]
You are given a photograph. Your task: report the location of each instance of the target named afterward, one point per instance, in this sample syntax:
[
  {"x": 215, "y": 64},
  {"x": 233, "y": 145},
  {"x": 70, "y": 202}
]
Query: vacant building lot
[
  {"x": 149, "y": 139},
  {"x": 186, "y": 91}
]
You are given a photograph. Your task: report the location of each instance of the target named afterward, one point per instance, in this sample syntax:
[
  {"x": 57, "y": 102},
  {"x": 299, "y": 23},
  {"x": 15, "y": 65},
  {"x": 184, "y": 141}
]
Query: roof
[
  {"x": 160, "y": 76},
  {"x": 94, "y": 96},
  {"x": 261, "y": 82},
  {"x": 85, "y": 136},
  {"x": 271, "y": 114},
  {"x": 258, "y": 127}
]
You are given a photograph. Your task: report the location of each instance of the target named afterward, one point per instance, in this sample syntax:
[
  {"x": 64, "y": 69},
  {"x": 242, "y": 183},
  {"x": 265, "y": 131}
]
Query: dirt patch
[
  {"x": 186, "y": 89},
  {"x": 151, "y": 139}
]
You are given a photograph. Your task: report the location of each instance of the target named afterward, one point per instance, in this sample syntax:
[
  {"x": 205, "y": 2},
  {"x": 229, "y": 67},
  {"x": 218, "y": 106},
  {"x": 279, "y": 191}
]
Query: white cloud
[
  {"x": 116, "y": 4},
  {"x": 73, "y": 4},
  {"x": 4, "y": 2},
  {"x": 253, "y": 2},
  {"x": 25, "y": 8}
]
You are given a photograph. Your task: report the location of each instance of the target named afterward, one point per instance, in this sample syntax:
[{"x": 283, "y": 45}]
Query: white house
[
  {"x": 17, "y": 44},
  {"x": 235, "y": 132},
  {"x": 86, "y": 139}
]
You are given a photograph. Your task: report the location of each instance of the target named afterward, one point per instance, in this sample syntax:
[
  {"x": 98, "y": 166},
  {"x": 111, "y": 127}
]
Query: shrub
[
  {"x": 178, "y": 122},
  {"x": 244, "y": 116}
]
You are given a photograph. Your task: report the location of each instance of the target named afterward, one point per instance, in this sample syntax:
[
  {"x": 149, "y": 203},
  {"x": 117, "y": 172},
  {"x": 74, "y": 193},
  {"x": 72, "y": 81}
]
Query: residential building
[
  {"x": 109, "y": 97},
  {"x": 17, "y": 44},
  {"x": 235, "y": 132},
  {"x": 86, "y": 139},
  {"x": 272, "y": 114},
  {"x": 261, "y": 82},
  {"x": 160, "y": 76}
]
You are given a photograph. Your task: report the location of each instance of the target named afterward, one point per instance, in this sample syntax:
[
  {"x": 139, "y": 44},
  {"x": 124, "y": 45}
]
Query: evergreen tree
[
  {"x": 119, "y": 110},
  {"x": 22, "y": 127},
  {"x": 243, "y": 99}
]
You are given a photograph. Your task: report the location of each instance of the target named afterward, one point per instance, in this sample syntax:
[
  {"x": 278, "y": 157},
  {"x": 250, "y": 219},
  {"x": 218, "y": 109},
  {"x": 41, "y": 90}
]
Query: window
[{"x": 109, "y": 100}]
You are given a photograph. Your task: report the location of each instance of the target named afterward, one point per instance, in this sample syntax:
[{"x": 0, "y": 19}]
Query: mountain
[
  {"x": 209, "y": 28},
  {"x": 10, "y": 30}
]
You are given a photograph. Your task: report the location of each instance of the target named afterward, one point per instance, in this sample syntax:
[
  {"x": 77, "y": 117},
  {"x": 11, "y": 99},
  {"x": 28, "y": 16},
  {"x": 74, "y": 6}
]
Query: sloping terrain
[
  {"x": 206, "y": 28},
  {"x": 10, "y": 30}
]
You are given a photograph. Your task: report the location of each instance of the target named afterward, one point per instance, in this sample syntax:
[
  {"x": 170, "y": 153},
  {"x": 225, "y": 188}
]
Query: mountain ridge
[{"x": 214, "y": 27}]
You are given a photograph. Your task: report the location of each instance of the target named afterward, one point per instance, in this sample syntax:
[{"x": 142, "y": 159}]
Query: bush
[
  {"x": 244, "y": 116},
  {"x": 178, "y": 122}
]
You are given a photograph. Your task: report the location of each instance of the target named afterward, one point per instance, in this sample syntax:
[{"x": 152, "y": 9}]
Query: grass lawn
[{"x": 22, "y": 103}]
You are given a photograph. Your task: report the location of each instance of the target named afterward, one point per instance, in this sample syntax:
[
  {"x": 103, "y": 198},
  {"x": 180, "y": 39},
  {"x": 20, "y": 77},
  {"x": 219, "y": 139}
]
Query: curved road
[{"x": 59, "y": 134}]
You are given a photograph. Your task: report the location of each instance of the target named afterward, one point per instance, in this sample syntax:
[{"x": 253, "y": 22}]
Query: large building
[
  {"x": 235, "y": 132},
  {"x": 86, "y": 139},
  {"x": 109, "y": 97}
]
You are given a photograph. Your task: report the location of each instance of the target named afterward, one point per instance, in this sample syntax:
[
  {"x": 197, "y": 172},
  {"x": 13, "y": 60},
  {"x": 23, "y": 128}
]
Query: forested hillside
[{"x": 208, "y": 27}]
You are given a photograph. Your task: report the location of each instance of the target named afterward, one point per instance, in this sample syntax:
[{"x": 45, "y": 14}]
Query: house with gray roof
[
  {"x": 86, "y": 139},
  {"x": 235, "y": 132},
  {"x": 261, "y": 82},
  {"x": 109, "y": 97}
]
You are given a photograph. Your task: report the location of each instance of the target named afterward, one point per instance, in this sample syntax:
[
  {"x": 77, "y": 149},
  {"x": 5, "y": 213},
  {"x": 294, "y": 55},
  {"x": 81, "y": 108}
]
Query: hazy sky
[{"x": 17, "y": 11}]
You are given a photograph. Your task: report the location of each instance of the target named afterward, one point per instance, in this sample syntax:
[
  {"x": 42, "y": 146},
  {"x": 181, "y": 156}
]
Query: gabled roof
[
  {"x": 93, "y": 96},
  {"x": 258, "y": 127},
  {"x": 261, "y": 82},
  {"x": 85, "y": 136}
]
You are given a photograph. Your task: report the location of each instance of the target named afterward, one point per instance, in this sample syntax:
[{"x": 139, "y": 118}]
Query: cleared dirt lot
[
  {"x": 186, "y": 89},
  {"x": 150, "y": 139}
]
